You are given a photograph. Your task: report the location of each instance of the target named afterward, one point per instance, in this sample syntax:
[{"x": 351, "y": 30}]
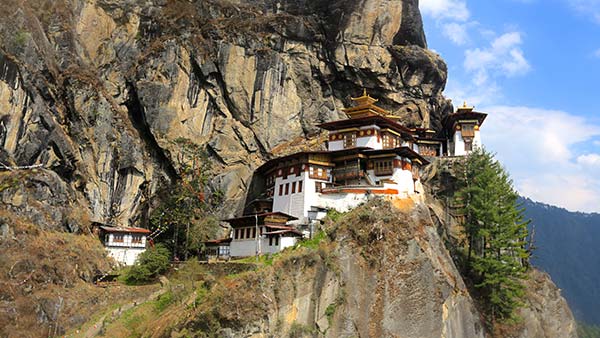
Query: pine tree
[{"x": 495, "y": 233}]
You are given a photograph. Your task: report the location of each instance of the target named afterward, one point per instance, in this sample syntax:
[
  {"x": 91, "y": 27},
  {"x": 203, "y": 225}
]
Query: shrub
[
  {"x": 298, "y": 330},
  {"x": 163, "y": 301},
  {"x": 149, "y": 265}
]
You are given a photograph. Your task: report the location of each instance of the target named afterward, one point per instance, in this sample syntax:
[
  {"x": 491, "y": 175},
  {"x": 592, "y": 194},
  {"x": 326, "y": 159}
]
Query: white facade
[
  {"x": 298, "y": 204},
  {"x": 125, "y": 247},
  {"x": 365, "y": 140},
  {"x": 248, "y": 247},
  {"x": 456, "y": 146}
]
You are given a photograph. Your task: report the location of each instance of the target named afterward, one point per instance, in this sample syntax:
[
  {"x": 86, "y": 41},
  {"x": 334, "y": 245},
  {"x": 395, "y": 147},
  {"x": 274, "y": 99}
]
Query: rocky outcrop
[
  {"x": 386, "y": 273},
  {"x": 99, "y": 91},
  {"x": 546, "y": 313}
]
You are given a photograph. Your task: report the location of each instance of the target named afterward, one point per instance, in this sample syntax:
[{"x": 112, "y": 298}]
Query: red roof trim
[{"x": 125, "y": 229}]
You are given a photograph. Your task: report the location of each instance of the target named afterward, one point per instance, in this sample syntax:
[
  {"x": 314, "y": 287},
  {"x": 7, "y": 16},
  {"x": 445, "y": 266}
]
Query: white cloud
[
  {"x": 539, "y": 148},
  {"x": 573, "y": 192},
  {"x": 596, "y": 53},
  {"x": 456, "y": 32},
  {"x": 445, "y": 9},
  {"x": 590, "y": 160},
  {"x": 503, "y": 57}
]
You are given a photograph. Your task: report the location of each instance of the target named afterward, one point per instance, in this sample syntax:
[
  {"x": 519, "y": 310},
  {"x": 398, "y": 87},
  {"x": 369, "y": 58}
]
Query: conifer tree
[{"x": 495, "y": 234}]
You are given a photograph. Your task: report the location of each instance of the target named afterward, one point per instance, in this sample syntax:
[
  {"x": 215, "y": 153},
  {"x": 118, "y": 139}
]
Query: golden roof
[
  {"x": 465, "y": 108},
  {"x": 365, "y": 106}
]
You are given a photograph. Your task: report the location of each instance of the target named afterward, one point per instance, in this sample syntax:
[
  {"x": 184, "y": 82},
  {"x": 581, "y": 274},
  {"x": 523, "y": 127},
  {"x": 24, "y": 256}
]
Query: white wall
[
  {"x": 244, "y": 247},
  {"x": 459, "y": 143},
  {"x": 247, "y": 247},
  {"x": 335, "y": 145},
  {"x": 286, "y": 242},
  {"x": 127, "y": 241},
  {"x": 291, "y": 204},
  {"x": 125, "y": 256}
]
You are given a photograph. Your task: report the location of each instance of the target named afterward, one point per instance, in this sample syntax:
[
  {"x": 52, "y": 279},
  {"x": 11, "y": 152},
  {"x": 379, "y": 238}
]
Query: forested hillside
[{"x": 568, "y": 249}]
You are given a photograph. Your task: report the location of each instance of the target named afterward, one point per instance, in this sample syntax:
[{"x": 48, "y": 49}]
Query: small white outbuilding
[{"x": 124, "y": 244}]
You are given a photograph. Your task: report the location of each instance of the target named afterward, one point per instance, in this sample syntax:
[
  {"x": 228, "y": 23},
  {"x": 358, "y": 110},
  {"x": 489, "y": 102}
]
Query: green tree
[
  {"x": 149, "y": 265},
  {"x": 185, "y": 207},
  {"x": 495, "y": 234}
]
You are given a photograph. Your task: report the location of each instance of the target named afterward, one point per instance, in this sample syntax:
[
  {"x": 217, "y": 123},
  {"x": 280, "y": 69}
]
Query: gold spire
[
  {"x": 365, "y": 99},
  {"x": 465, "y": 108},
  {"x": 364, "y": 106}
]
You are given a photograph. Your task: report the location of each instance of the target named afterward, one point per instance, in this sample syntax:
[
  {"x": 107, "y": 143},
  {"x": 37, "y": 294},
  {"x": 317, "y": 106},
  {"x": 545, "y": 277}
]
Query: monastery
[{"x": 368, "y": 154}]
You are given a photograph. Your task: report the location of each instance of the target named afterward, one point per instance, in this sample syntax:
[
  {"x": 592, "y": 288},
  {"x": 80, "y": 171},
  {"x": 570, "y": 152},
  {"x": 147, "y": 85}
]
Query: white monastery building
[
  {"x": 368, "y": 154},
  {"x": 124, "y": 244}
]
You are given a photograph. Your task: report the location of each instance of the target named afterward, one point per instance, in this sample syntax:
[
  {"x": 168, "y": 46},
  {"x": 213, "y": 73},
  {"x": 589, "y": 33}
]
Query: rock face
[
  {"x": 386, "y": 273},
  {"x": 99, "y": 91},
  {"x": 546, "y": 313}
]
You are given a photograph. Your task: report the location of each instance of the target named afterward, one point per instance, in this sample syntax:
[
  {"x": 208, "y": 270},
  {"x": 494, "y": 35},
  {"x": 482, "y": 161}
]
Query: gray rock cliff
[{"x": 98, "y": 91}]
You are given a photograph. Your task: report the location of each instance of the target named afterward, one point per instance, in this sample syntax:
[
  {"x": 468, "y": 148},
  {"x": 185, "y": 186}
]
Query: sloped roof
[{"x": 125, "y": 229}]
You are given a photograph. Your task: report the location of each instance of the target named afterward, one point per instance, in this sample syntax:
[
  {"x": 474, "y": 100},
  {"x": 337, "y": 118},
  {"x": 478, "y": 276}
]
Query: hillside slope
[
  {"x": 567, "y": 248},
  {"x": 379, "y": 272}
]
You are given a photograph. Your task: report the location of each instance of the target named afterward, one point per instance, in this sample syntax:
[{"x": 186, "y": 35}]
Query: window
[
  {"x": 237, "y": 234},
  {"x": 468, "y": 145},
  {"x": 384, "y": 167},
  {"x": 287, "y": 188},
  {"x": 293, "y": 187},
  {"x": 280, "y": 189},
  {"x": 270, "y": 240},
  {"x": 136, "y": 239},
  {"x": 318, "y": 187},
  {"x": 320, "y": 172},
  {"x": 248, "y": 233},
  {"x": 349, "y": 140},
  {"x": 276, "y": 240},
  {"x": 386, "y": 141},
  {"x": 299, "y": 186},
  {"x": 118, "y": 238},
  {"x": 253, "y": 232},
  {"x": 468, "y": 130}
]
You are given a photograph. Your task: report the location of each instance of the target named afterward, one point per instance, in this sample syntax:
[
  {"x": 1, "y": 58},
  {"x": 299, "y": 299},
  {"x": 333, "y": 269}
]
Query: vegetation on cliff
[
  {"x": 185, "y": 209},
  {"x": 495, "y": 257}
]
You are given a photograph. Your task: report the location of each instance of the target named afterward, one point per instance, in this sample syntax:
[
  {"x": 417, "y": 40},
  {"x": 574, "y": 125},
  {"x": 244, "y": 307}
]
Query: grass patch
[
  {"x": 314, "y": 242},
  {"x": 266, "y": 260},
  {"x": 334, "y": 215},
  {"x": 163, "y": 301},
  {"x": 330, "y": 311}
]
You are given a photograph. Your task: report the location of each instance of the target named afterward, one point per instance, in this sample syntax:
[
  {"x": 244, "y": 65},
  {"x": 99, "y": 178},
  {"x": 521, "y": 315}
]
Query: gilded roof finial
[
  {"x": 365, "y": 92},
  {"x": 465, "y": 107}
]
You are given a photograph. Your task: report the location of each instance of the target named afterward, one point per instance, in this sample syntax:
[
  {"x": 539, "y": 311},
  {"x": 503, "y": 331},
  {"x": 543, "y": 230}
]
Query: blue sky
[{"x": 534, "y": 66}]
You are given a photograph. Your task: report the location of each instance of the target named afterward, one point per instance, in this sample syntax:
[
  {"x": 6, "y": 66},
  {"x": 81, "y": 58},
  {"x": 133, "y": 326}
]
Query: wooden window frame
[
  {"x": 349, "y": 140},
  {"x": 300, "y": 186}
]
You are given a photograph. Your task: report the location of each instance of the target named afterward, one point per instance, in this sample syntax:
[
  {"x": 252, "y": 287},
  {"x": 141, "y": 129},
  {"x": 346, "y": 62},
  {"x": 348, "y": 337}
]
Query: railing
[{"x": 347, "y": 173}]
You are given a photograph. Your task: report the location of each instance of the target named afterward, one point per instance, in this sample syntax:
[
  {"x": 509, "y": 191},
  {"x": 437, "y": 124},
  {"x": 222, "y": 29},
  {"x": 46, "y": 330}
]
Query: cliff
[{"x": 99, "y": 91}]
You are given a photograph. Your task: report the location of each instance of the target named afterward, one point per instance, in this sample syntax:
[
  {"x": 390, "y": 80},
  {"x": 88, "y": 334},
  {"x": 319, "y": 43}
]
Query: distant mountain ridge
[{"x": 568, "y": 248}]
